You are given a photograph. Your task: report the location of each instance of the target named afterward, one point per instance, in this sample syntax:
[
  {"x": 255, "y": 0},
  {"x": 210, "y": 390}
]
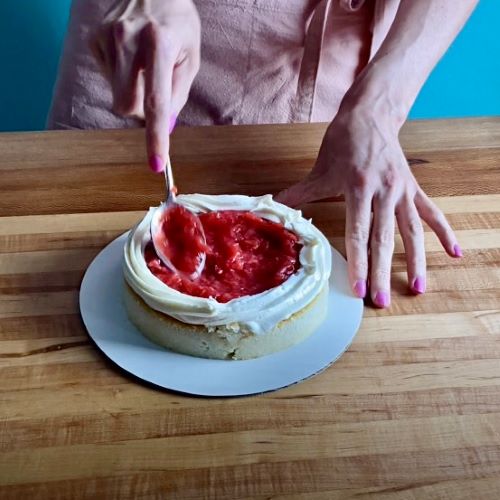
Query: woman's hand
[
  {"x": 150, "y": 52},
  {"x": 361, "y": 158}
]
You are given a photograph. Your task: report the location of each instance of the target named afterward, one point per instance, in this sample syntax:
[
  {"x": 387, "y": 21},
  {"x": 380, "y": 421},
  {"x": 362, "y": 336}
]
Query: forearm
[{"x": 419, "y": 36}]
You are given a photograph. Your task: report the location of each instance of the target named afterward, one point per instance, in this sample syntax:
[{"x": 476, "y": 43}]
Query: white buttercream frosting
[{"x": 258, "y": 313}]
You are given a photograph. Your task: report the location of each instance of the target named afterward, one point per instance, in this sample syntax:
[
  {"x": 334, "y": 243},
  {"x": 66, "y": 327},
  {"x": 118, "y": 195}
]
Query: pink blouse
[{"x": 262, "y": 61}]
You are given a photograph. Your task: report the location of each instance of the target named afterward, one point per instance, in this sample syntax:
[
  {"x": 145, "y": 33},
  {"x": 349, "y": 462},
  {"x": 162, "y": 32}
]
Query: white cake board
[{"x": 105, "y": 317}]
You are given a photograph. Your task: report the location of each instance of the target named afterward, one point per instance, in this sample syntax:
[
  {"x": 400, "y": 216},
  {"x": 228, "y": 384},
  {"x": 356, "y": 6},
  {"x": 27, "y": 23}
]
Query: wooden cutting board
[{"x": 412, "y": 410}]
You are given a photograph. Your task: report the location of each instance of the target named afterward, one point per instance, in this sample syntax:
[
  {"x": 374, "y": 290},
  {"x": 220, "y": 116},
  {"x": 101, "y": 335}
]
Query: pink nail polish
[
  {"x": 173, "y": 120},
  {"x": 419, "y": 285},
  {"x": 360, "y": 289},
  {"x": 156, "y": 163},
  {"x": 457, "y": 251},
  {"x": 381, "y": 299}
]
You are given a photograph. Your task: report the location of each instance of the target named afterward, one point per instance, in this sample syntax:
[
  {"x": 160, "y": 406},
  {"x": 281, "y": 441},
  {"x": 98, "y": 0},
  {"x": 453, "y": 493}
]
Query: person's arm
[
  {"x": 419, "y": 36},
  {"x": 150, "y": 52},
  {"x": 361, "y": 157}
]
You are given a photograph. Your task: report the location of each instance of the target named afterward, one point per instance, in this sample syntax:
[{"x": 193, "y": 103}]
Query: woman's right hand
[{"x": 150, "y": 52}]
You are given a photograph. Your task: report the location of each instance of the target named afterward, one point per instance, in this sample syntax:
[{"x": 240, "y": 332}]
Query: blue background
[{"x": 465, "y": 83}]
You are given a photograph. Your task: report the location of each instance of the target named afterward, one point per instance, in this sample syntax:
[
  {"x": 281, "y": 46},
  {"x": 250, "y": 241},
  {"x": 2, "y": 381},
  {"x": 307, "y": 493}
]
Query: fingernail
[
  {"x": 457, "y": 251},
  {"x": 360, "y": 289},
  {"x": 419, "y": 285},
  {"x": 171, "y": 126},
  {"x": 381, "y": 299},
  {"x": 156, "y": 163}
]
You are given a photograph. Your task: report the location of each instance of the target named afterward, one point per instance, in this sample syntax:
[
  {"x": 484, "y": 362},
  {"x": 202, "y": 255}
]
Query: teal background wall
[
  {"x": 465, "y": 83},
  {"x": 31, "y": 36}
]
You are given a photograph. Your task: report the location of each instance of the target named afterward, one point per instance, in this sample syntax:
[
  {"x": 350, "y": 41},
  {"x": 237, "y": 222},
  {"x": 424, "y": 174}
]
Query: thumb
[{"x": 303, "y": 192}]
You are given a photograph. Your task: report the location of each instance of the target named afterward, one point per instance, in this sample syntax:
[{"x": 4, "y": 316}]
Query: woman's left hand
[{"x": 361, "y": 158}]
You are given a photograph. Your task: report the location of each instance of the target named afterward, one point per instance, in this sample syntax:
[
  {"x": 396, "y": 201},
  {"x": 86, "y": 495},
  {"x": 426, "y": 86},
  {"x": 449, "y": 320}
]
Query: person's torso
[{"x": 262, "y": 61}]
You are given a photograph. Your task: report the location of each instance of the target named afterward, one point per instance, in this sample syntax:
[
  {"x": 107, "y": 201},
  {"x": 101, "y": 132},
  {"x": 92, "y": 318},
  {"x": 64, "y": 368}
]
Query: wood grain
[{"x": 411, "y": 411}]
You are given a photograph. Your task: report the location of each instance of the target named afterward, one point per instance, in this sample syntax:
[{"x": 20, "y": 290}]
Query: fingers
[
  {"x": 118, "y": 58},
  {"x": 160, "y": 59},
  {"x": 127, "y": 93},
  {"x": 382, "y": 248},
  {"x": 183, "y": 76},
  {"x": 436, "y": 220},
  {"x": 412, "y": 233},
  {"x": 357, "y": 233},
  {"x": 103, "y": 48}
]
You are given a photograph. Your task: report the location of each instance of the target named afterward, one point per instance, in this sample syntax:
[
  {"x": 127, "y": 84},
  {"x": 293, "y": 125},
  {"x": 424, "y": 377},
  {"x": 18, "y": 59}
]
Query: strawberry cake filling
[{"x": 245, "y": 254}]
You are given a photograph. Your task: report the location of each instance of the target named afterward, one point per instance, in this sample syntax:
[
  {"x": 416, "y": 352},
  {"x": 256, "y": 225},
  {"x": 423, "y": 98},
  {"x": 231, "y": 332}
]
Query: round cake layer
[{"x": 224, "y": 342}]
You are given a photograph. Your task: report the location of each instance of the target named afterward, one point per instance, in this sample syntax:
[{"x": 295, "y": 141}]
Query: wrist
[{"x": 378, "y": 94}]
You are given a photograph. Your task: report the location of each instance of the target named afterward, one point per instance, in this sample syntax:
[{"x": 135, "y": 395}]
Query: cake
[{"x": 264, "y": 287}]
